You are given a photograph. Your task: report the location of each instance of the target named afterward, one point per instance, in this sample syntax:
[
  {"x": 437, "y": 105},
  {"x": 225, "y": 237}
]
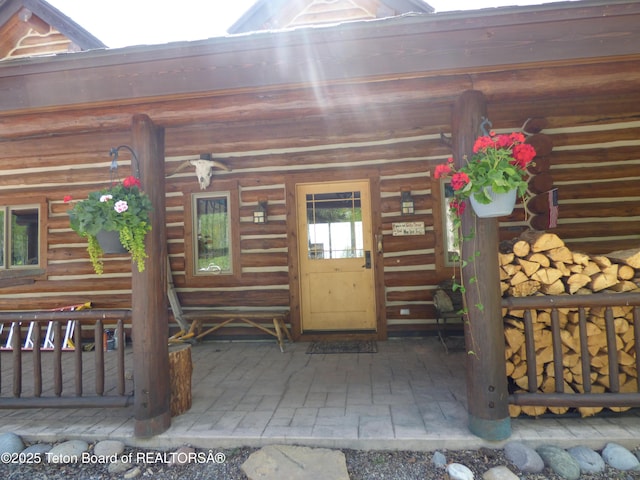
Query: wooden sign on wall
[{"x": 408, "y": 228}]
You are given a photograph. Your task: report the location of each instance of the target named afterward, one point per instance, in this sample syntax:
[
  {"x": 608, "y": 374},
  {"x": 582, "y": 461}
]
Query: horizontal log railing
[
  {"x": 613, "y": 398},
  {"x": 60, "y": 358}
]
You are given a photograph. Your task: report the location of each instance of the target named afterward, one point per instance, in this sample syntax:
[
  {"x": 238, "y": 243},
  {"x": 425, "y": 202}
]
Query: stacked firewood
[{"x": 539, "y": 263}]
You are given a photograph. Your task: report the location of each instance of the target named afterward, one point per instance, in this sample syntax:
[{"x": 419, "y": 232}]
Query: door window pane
[
  {"x": 212, "y": 243},
  {"x": 334, "y": 225}
]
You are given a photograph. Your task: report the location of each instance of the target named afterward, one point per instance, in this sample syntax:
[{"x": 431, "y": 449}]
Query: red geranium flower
[
  {"x": 523, "y": 154},
  {"x": 458, "y": 206},
  {"x": 442, "y": 170},
  {"x": 131, "y": 181},
  {"x": 459, "y": 180}
]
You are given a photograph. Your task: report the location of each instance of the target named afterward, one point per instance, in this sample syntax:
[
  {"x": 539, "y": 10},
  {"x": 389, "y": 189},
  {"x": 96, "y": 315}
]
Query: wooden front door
[{"x": 337, "y": 288}]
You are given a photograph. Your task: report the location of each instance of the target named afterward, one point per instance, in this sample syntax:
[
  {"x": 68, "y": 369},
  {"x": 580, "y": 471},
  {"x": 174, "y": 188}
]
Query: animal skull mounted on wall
[{"x": 204, "y": 169}]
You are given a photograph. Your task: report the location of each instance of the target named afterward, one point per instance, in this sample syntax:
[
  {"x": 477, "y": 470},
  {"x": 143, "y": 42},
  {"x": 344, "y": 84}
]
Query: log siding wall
[
  {"x": 594, "y": 163},
  {"x": 596, "y": 169}
]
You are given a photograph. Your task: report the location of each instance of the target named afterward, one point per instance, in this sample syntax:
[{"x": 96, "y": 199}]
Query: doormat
[{"x": 346, "y": 346}]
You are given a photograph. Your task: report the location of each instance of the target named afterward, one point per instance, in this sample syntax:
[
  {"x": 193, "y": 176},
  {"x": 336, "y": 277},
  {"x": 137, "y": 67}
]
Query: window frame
[
  {"x": 447, "y": 222},
  {"x": 444, "y": 265},
  {"x": 224, "y": 189},
  {"x": 18, "y": 203}
]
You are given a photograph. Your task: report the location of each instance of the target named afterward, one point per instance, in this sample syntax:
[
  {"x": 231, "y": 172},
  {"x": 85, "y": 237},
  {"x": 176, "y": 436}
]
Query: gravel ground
[{"x": 362, "y": 465}]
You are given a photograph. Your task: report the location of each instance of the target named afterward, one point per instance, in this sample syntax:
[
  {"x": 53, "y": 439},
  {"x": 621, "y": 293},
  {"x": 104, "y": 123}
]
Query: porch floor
[{"x": 410, "y": 395}]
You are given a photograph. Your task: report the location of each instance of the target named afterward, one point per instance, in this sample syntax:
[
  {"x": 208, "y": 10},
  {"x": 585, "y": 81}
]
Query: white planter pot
[{"x": 501, "y": 204}]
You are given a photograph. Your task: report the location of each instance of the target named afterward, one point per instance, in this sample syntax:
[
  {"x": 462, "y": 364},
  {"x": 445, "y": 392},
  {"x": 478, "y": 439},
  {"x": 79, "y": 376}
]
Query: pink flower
[
  {"x": 121, "y": 206},
  {"x": 106, "y": 197},
  {"x": 131, "y": 181},
  {"x": 67, "y": 198},
  {"x": 459, "y": 180}
]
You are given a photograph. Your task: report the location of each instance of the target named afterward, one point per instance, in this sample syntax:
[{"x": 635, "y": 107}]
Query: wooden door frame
[{"x": 294, "y": 266}]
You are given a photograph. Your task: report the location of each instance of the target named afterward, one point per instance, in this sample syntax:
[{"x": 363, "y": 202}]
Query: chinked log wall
[
  {"x": 594, "y": 165},
  {"x": 399, "y": 163}
]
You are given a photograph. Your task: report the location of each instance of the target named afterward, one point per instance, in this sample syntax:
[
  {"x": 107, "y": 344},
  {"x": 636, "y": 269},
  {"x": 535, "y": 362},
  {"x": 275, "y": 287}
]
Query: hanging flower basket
[
  {"x": 498, "y": 166},
  {"x": 121, "y": 209},
  {"x": 500, "y": 204},
  {"x": 109, "y": 241}
]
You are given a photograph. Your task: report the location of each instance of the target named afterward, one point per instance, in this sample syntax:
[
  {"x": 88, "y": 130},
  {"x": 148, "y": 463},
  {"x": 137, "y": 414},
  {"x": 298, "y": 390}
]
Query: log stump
[{"x": 180, "y": 370}]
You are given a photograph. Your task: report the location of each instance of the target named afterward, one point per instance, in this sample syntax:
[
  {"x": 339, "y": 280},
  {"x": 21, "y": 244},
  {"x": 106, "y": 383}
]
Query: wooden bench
[{"x": 196, "y": 330}]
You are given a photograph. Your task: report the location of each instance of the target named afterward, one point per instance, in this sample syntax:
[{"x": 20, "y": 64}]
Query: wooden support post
[
  {"x": 150, "y": 325},
  {"x": 484, "y": 331}
]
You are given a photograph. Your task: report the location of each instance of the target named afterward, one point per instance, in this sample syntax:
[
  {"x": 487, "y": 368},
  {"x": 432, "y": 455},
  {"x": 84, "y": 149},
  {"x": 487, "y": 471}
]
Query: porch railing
[
  {"x": 558, "y": 398},
  {"x": 109, "y": 376}
]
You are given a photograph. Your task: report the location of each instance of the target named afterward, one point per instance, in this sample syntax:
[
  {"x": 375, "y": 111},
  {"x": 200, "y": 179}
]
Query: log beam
[
  {"x": 484, "y": 332},
  {"x": 150, "y": 324}
]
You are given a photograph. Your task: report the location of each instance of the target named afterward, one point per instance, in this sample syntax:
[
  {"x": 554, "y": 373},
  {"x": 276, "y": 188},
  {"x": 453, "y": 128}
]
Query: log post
[
  {"x": 150, "y": 326},
  {"x": 484, "y": 331}
]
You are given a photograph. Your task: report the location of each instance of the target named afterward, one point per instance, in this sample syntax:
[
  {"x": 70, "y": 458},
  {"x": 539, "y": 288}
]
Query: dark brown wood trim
[
  {"x": 294, "y": 264},
  {"x": 234, "y": 278},
  {"x": 376, "y": 230}
]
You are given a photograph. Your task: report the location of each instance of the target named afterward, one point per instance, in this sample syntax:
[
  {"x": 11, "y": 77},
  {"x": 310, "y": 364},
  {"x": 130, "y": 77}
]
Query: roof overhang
[{"x": 410, "y": 46}]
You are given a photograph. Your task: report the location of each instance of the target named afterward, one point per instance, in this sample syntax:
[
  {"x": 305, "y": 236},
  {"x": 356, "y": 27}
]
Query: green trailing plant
[{"x": 122, "y": 207}]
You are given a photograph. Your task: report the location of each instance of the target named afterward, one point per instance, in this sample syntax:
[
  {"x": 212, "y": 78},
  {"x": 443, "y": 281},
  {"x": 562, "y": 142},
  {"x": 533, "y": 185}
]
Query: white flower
[
  {"x": 121, "y": 206},
  {"x": 106, "y": 198}
]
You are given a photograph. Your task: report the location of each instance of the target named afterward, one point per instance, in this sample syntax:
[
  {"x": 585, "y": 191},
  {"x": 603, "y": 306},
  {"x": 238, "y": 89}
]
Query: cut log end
[{"x": 540, "y": 263}]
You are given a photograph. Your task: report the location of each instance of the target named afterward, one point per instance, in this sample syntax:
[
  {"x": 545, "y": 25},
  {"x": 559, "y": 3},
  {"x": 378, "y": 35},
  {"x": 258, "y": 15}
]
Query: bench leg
[
  {"x": 286, "y": 330},
  {"x": 182, "y": 335},
  {"x": 441, "y": 327},
  {"x": 276, "y": 326}
]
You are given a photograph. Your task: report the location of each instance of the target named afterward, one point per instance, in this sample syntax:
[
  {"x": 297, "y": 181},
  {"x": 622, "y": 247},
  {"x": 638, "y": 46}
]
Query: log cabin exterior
[
  {"x": 364, "y": 102},
  {"x": 357, "y": 112}
]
